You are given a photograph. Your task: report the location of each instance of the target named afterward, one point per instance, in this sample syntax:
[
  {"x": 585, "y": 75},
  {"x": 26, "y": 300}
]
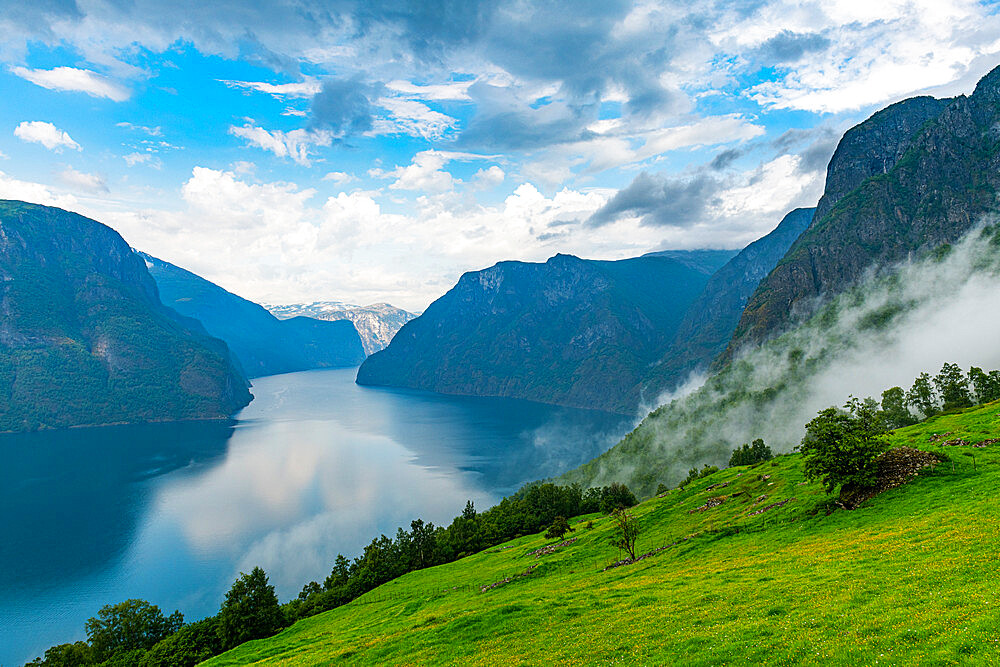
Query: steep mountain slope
[
  {"x": 944, "y": 182},
  {"x": 751, "y": 565},
  {"x": 709, "y": 322},
  {"x": 570, "y": 331},
  {"x": 376, "y": 323},
  {"x": 84, "y": 338},
  {"x": 264, "y": 344}
]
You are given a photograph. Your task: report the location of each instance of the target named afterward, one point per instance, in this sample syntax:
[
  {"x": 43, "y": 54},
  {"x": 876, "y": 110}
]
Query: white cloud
[
  {"x": 294, "y": 144},
  {"x": 36, "y": 193},
  {"x": 82, "y": 181},
  {"x": 489, "y": 178},
  {"x": 423, "y": 174},
  {"x": 46, "y": 134},
  {"x": 133, "y": 159},
  {"x": 75, "y": 80},
  {"x": 879, "y": 52},
  {"x": 413, "y": 118},
  {"x": 455, "y": 90},
  {"x": 339, "y": 177},
  {"x": 305, "y": 88}
]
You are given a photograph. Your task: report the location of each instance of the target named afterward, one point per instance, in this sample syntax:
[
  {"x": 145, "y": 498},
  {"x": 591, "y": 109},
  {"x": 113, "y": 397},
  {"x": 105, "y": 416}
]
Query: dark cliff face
[
  {"x": 263, "y": 344},
  {"x": 941, "y": 186},
  {"x": 709, "y": 322},
  {"x": 570, "y": 331},
  {"x": 875, "y": 146},
  {"x": 84, "y": 338}
]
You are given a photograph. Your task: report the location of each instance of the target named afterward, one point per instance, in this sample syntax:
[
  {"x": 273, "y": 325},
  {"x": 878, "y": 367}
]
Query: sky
[{"x": 368, "y": 151}]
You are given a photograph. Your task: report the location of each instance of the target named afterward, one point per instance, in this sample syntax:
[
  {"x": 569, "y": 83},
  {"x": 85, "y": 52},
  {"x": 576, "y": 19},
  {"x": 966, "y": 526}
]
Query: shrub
[{"x": 840, "y": 446}]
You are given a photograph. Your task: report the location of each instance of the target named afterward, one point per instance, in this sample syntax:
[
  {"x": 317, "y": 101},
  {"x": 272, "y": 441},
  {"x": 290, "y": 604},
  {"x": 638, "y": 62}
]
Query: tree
[
  {"x": 748, "y": 455},
  {"x": 626, "y": 531},
  {"x": 922, "y": 397},
  {"x": 894, "y": 410},
  {"x": 616, "y": 496},
  {"x": 129, "y": 626},
  {"x": 560, "y": 526},
  {"x": 986, "y": 386},
  {"x": 250, "y": 610},
  {"x": 953, "y": 387},
  {"x": 840, "y": 446}
]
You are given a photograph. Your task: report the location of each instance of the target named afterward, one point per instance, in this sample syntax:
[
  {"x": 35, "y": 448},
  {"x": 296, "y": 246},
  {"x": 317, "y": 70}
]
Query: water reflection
[{"x": 314, "y": 466}]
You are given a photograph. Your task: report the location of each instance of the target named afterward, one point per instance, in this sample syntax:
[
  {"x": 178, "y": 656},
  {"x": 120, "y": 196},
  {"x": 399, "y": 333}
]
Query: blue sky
[{"x": 373, "y": 151}]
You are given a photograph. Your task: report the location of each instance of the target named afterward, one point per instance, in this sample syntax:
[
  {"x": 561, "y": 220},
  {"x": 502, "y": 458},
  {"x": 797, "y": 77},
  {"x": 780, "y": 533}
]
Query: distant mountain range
[
  {"x": 263, "y": 344},
  {"x": 84, "y": 338},
  {"x": 376, "y": 324},
  {"x": 568, "y": 331}
]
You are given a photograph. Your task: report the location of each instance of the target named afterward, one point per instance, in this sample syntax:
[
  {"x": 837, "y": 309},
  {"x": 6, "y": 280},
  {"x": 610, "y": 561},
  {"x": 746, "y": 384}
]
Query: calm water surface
[{"x": 315, "y": 466}]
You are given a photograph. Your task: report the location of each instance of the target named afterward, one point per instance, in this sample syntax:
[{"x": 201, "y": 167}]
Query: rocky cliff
[
  {"x": 264, "y": 344},
  {"x": 569, "y": 331},
  {"x": 84, "y": 338},
  {"x": 943, "y": 181}
]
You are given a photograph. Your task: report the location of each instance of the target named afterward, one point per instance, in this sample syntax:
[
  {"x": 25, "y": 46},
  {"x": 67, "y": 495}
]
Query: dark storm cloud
[
  {"x": 791, "y": 47},
  {"x": 344, "y": 106},
  {"x": 726, "y": 158},
  {"x": 661, "y": 200}
]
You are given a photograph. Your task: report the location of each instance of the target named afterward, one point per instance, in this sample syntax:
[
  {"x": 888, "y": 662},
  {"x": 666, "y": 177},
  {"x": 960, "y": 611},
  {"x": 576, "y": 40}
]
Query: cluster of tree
[
  {"x": 135, "y": 632},
  {"x": 841, "y": 445},
  {"x": 748, "y": 455},
  {"x": 948, "y": 390}
]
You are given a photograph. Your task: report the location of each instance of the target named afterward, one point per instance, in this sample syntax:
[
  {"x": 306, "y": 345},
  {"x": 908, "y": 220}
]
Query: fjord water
[{"x": 315, "y": 466}]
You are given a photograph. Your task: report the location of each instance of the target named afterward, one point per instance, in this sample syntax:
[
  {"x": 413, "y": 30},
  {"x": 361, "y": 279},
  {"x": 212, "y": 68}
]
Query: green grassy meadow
[{"x": 911, "y": 577}]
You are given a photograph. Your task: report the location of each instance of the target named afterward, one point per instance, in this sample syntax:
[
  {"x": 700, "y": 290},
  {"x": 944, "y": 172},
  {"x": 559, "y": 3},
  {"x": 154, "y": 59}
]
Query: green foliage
[
  {"x": 695, "y": 474},
  {"x": 190, "y": 645},
  {"x": 953, "y": 387},
  {"x": 560, "y": 526},
  {"x": 894, "y": 410},
  {"x": 250, "y": 610},
  {"x": 129, "y": 626},
  {"x": 67, "y": 655},
  {"x": 986, "y": 386},
  {"x": 922, "y": 396},
  {"x": 840, "y": 446},
  {"x": 747, "y": 455}
]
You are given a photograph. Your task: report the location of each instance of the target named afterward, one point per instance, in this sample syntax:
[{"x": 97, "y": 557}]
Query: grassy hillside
[{"x": 907, "y": 578}]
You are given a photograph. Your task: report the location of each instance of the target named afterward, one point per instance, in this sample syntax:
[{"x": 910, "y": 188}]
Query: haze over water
[{"x": 315, "y": 466}]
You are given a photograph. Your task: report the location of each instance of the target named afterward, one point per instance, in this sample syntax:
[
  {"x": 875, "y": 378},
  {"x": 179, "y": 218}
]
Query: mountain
[
  {"x": 916, "y": 175},
  {"x": 84, "y": 338},
  {"x": 376, "y": 324},
  {"x": 264, "y": 344},
  {"x": 900, "y": 275},
  {"x": 568, "y": 331},
  {"x": 710, "y": 320}
]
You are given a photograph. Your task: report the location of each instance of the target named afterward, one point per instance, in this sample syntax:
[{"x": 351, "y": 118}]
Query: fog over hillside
[{"x": 944, "y": 307}]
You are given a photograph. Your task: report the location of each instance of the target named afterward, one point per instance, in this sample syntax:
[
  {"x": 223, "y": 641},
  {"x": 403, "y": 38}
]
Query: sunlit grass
[{"x": 911, "y": 577}]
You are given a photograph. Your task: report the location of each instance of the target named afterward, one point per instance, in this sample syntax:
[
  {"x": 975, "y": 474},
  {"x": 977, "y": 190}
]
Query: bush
[
  {"x": 840, "y": 446},
  {"x": 694, "y": 474},
  {"x": 560, "y": 526}
]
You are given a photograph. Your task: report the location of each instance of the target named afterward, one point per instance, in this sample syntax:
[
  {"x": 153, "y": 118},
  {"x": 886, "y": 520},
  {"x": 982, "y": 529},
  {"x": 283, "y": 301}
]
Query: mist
[{"x": 943, "y": 307}]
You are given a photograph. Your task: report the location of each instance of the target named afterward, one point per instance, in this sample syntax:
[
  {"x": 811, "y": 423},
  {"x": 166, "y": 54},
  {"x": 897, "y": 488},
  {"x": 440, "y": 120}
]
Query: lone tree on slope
[{"x": 627, "y": 530}]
